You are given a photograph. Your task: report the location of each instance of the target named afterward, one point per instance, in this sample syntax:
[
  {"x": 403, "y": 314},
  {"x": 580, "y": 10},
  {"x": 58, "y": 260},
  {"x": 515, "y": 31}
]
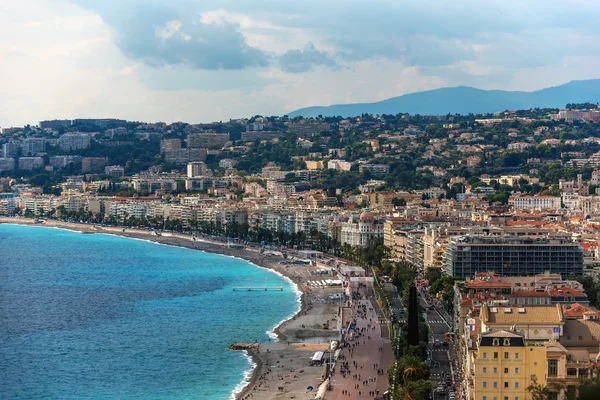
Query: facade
[
  {"x": 207, "y": 139},
  {"x": 30, "y": 163},
  {"x": 506, "y": 365},
  {"x": 535, "y": 202},
  {"x": 339, "y": 165},
  {"x": 11, "y": 149},
  {"x": 74, "y": 141},
  {"x": 114, "y": 171},
  {"x": 196, "y": 168},
  {"x": 359, "y": 231},
  {"x": 183, "y": 156},
  {"x": 31, "y": 146},
  {"x": 466, "y": 255},
  {"x": 7, "y": 164},
  {"x": 376, "y": 169},
  {"x": 55, "y": 124},
  {"x": 64, "y": 161},
  {"x": 169, "y": 144},
  {"x": 93, "y": 164}
]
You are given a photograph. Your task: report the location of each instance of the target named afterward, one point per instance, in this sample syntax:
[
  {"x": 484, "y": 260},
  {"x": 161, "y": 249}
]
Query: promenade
[{"x": 361, "y": 370}]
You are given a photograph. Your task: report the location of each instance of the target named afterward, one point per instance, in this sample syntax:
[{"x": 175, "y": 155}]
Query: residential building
[
  {"x": 183, "y": 156},
  {"x": 169, "y": 144},
  {"x": 339, "y": 165},
  {"x": 31, "y": 163},
  {"x": 375, "y": 169},
  {"x": 93, "y": 164},
  {"x": 11, "y": 149},
  {"x": 207, "y": 139},
  {"x": 7, "y": 164},
  {"x": 32, "y": 146},
  {"x": 55, "y": 124},
  {"x": 196, "y": 168},
  {"x": 74, "y": 141},
  {"x": 64, "y": 161},
  {"x": 114, "y": 171}
]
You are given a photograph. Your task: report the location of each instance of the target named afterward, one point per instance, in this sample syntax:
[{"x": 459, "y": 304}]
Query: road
[{"x": 440, "y": 356}]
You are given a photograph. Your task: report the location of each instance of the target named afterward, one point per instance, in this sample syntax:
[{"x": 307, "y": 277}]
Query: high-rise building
[
  {"x": 11, "y": 148},
  {"x": 207, "y": 139},
  {"x": 93, "y": 164},
  {"x": 183, "y": 156},
  {"x": 64, "y": 161},
  {"x": 30, "y": 163},
  {"x": 74, "y": 141},
  {"x": 169, "y": 144},
  {"x": 509, "y": 256},
  {"x": 55, "y": 124},
  {"x": 114, "y": 171},
  {"x": 196, "y": 168},
  {"x": 32, "y": 145},
  {"x": 7, "y": 164}
]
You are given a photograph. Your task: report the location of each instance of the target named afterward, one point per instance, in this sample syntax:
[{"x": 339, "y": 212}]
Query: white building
[
  {"x": 535, "y": 202},
  {"x": 339, "y": 165},
  {"x": 359, "y": 231},
  {"x": 196, "y": 168}
]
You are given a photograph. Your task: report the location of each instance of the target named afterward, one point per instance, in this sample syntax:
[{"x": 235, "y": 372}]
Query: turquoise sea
[{"x": 103, "y": 317}]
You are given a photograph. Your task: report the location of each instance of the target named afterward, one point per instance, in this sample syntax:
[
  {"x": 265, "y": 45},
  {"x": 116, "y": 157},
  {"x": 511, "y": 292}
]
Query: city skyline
[{"x": 221, "y": 60}]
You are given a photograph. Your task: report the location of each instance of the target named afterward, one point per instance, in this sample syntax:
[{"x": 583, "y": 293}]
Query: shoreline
[{"x": 280, "y": 333}]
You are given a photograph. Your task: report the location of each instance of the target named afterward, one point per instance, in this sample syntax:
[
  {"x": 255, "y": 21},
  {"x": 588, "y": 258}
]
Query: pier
[{"x": 257, "y": 288}]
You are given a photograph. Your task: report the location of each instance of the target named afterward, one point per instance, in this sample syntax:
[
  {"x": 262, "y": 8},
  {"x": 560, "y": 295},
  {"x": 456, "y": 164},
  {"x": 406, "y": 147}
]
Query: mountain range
[{"x": 465, "y": 100}]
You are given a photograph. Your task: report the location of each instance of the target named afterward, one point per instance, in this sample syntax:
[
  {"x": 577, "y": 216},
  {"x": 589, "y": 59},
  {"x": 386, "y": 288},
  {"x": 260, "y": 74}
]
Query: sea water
[{"x": 93, "y": 316}]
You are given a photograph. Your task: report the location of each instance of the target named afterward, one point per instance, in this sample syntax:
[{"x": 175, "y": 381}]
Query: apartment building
[
  {"x": 183, "y": 156},
  {"x": 74, "y": 141},
  {"x": 7, "y": 164},
  {"x": 375, "y": 169},
  {"x": 31, "y": 146},
  {"x": 30, "y": 163},
  {"x": 207, "y": 139},
  {"x": 506, "y": 364},
  {"x": 93, "y": 164},
  {"x": 169, "y": 144},
  {"x": 197, "y": 168}
]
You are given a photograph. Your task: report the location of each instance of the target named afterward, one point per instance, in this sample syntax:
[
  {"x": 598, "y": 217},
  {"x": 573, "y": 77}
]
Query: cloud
[
  {"x": 160, "y": 34},
  {"x": 296, "y": 61}
]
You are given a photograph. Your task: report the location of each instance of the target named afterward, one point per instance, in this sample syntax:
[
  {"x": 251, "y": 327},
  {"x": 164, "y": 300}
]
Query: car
[{"x": 437, "y": 343}]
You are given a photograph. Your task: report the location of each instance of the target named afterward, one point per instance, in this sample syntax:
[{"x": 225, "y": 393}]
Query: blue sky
[{"x": 195, "y": 61}]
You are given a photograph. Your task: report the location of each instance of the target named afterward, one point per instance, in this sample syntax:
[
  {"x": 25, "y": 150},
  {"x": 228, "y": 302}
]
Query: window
[
  {"x": 583, "y": 372},
  {"x": 506, "y": 370},
  {"x": 505, "y": 397},
  {"x": 495, "y": 354},
  {"x": 506, "y": 385},
  {"x": 580, "y": 337},
  {"x": 516, "y": 385},
  {"x": 484, "y": 398},
  {"x": 571, "y": 371},
  {"x": 496, "y": 342},
  {"x": 516, "y": 370},
  {"x": 484, "y": 370},
  {"x": 495, "y": 385},
  {"x": 484, "y": 384},
  {"x": 505, "y": 354},
  {"x": 533, "y": 377},
  {"x": 495, "y": 370},
  {"x": 516, "y": 356},
  {"x": 552, "y": 367},
  {"x": 484, "y": 355}
]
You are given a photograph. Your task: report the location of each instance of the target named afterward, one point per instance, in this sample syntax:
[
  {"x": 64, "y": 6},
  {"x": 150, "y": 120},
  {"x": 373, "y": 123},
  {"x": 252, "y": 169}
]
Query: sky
[{"x": 211, "y": 60}]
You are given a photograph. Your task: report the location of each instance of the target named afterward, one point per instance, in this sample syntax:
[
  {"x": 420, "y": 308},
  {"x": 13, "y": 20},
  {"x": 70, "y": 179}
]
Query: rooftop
[{"x": 522, "y": 315}]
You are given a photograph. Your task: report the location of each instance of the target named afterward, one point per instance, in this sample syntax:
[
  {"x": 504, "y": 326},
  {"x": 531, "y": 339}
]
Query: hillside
[{"x": 465, "y": 100}]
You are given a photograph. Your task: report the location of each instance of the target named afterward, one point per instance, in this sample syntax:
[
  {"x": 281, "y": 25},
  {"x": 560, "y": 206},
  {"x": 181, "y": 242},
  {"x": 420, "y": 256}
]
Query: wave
[{"x": 247, "y": 377}]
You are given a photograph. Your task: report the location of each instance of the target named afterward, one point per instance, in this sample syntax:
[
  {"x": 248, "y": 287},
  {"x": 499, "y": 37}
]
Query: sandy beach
[{"x": 283, "y": 369}]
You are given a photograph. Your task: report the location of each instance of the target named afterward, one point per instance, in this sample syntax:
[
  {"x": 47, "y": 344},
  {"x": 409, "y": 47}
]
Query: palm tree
[
  {"x": 411, "y": 368},
  {"x": 413, "y": 390}
]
